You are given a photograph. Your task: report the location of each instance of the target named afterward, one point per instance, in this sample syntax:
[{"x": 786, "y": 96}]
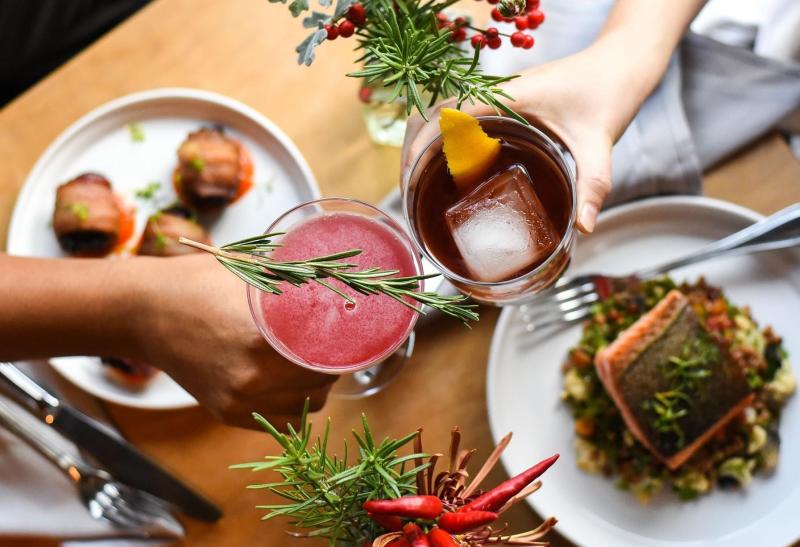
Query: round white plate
[
  {"x": 101, "y": 141},
  {"x": 524, "y": 384}
]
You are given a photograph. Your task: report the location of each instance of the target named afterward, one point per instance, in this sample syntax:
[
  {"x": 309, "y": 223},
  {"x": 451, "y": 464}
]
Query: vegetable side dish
[{"x": 675, "y": 386}]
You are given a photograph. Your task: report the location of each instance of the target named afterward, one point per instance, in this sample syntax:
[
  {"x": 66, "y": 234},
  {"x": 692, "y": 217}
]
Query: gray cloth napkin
[
  {"x": 713, "y": 100},
  {"x": 36, "y": 499}
]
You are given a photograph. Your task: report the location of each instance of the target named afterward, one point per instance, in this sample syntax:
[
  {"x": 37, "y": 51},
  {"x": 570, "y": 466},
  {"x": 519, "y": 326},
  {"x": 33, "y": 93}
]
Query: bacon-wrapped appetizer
[
  {"x": 163, "y": 229},
  {"x": 87, "y": 215},
  {"x": 213, "y": 169}
]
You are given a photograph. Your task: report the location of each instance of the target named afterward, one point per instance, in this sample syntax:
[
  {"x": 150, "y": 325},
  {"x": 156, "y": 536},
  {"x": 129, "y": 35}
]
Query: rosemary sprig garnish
[
  {"x": 248, "y": 259},
  {"x": 323, "y": 493}
]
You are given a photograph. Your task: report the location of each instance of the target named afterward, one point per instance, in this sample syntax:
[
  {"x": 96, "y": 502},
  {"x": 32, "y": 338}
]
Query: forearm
[
  {"x": 68, "y": 307},
  {"x": 634, "y": 49}
]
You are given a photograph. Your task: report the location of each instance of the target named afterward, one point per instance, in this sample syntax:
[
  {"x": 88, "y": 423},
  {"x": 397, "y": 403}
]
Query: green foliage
[
  {"x": 323, "y": 493},
  {"x": 402, "y": 48},
  {"x": 246, "y": 259}
]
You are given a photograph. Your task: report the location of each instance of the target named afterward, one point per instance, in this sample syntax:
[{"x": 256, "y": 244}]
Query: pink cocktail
[{"x": 313, "y": 326}]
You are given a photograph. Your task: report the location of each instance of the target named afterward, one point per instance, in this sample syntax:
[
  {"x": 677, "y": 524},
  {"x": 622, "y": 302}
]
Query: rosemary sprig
[
  {"x": 248, "y": 260},
  {"x": 324, "y": 493}
]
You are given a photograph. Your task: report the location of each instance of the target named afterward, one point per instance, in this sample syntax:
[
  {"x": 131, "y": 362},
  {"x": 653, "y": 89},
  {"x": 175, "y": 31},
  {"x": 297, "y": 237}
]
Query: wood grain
[{"x": 244, "y": 49}]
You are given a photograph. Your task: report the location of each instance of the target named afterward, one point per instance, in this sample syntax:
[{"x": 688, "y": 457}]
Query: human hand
[
  {"x": 195, "y": 324},
  {"x": 573, "y": 97}
]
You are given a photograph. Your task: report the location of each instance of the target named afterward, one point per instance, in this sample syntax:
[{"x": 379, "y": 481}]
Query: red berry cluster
[
  {"x": 457, "y": 26},
  {"x": 531, "y": 20},
  {"x": 356, "y": 16}
]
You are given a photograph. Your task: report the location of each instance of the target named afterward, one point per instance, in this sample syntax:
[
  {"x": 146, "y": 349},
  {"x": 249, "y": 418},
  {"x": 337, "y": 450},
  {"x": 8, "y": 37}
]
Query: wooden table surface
[{"x": 244, "y": 49}]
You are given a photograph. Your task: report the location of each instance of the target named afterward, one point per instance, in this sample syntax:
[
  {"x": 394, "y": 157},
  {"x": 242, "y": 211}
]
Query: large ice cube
[{"x": 501, "y": 227}]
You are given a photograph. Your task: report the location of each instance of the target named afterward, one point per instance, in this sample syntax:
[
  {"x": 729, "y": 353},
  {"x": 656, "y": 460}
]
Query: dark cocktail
[{"x": 503, "y": 230}]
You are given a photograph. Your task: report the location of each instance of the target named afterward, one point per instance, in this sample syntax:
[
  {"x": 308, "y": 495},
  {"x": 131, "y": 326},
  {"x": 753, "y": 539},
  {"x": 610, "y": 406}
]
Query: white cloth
[{"x": 36, "y": 499}]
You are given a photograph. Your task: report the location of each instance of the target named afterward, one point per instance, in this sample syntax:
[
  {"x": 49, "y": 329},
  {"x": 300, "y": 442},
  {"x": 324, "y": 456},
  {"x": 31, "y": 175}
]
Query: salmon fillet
[{"x": 637, "y": 366}]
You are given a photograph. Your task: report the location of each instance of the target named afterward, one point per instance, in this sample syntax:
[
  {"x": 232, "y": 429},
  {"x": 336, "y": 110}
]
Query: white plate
[
  {"x": 101, "y": 141},
  {"x": 524, "y": 384}
]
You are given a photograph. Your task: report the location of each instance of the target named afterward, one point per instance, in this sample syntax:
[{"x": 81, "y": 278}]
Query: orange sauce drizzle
[
  {"x": 245, "y": 171},
  {"x": 127, "y": 223}
]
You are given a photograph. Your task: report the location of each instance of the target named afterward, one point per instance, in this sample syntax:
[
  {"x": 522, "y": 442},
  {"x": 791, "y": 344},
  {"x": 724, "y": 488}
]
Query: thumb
[{"x": 593, "y": 161}]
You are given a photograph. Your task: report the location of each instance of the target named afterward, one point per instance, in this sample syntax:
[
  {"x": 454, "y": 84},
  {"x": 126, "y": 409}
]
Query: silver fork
[
  {"x": 570, "y": 299},
  {"x": 135, "y": 513}
]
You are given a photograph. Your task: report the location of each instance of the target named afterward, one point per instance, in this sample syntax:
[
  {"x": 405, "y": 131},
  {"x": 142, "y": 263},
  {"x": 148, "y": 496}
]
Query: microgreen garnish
[
  {"x": 197, "y": 163},
  {"x": 149, "y": 191},
  {"x": 687, "y": 371},
  {"x": 161, "y": 241},
  {"x": 136, "y": 132},
  {"x": 248, "y": 260},
  {"x": 80, "y": 210}
]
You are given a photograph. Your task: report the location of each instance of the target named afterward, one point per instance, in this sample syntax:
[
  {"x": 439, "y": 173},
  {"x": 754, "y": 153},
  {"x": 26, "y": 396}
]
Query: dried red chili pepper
[
  {"x": 393, "y": 523},
  {"x": 458, "y": 523},
  {"x": 440, "y": 538},
  {"x": 413, "y": 507},
  {"x": 414, "y": 535},
  {"x": 495, "y": 498}
]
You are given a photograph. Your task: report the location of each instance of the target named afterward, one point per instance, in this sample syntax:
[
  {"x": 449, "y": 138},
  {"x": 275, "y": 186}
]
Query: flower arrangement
[
  {"x": 414, "y": 49},
  {"x": 375, "y": 496}
]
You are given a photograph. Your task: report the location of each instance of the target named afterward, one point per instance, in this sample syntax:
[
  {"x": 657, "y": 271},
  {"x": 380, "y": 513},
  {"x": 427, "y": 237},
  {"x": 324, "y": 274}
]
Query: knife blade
[{"x": 116, "y": 455}]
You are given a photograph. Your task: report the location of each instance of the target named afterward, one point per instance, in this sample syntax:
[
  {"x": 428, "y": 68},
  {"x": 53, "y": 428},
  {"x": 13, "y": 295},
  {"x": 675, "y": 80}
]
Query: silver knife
[{"x": 116, "y": 455}]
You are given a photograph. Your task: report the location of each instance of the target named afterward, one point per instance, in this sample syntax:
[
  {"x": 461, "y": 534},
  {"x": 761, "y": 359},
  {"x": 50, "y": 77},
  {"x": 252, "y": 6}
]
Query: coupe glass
[{"x": 369, "y": 375}]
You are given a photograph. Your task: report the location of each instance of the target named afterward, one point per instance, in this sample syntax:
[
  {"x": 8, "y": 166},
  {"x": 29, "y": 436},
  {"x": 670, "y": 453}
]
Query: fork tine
[
  {"x": 531, "y": 314},
  {"x": 150, "y": 506},
  {"x": 562, "y": 284},
  {"x": 568, "y": 317},
  {"x": 541, "y": 315},
  {"x": 568, "y": 292},
  {"x": 112, "y": 513},
  {"x": 128, "y": 512},
  {"x": 534, "y": 338}
]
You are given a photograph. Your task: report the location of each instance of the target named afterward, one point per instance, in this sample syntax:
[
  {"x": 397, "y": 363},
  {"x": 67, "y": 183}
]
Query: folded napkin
[
  {"x": 713, "y": 100},
  {"x": 36, "y": 499}
]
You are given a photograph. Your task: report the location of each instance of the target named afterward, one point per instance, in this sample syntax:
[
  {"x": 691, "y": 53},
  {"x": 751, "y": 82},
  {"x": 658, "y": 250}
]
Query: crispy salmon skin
[{"x": 674, "y": 386}]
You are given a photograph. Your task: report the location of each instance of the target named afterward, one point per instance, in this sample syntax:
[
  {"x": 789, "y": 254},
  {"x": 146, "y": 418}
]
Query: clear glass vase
[{"x": 386, "y": 121}]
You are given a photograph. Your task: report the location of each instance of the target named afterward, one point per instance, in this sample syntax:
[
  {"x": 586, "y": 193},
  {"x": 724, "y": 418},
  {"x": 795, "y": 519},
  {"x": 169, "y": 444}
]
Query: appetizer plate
[
  {"x": 103, "y": 141},
  {"x": 524, "y": 384}
]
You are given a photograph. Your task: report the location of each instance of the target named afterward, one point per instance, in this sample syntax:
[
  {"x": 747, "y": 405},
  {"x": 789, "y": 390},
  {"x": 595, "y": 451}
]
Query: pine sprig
[
  {"x": 416, "y": 56},
  {"x": 248, "y": 259},
  {"x": 402, "y": 48},
  {"x": 323, "y": 493}
]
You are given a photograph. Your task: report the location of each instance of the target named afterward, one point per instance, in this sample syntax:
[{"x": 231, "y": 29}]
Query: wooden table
[{"x": 244, "y": 49}]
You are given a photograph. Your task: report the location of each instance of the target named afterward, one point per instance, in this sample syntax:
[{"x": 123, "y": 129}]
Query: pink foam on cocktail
[{"x": 317, "y": 325}]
